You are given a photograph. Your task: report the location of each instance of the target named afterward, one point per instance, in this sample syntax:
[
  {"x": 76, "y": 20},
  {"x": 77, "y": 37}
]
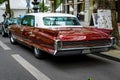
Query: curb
[
  {"x": 109, "y": 57},
  {"x": 112, "y": 55}
]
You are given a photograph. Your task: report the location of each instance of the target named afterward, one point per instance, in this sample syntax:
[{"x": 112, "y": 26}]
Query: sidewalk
[{"x": 114, "y": 53}]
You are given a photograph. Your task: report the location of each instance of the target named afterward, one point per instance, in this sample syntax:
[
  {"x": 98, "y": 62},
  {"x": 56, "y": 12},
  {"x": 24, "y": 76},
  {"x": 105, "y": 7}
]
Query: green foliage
[
  {"x": 57, "y": 3},
  {"x": 1, "y": 1},
  {"x": 41, "y": 8}
]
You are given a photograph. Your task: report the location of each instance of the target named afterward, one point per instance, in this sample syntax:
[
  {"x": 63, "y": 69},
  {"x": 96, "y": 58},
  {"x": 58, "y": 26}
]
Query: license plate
[{"x": 86, "y": 51}]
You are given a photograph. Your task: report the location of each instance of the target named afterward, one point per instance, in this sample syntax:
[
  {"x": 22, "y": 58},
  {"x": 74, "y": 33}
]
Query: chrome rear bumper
[{"x": 81, "y": 50}]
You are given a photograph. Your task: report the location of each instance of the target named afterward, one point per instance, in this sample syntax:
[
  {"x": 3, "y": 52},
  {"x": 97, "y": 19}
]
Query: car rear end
[
  {"x": 82, "y": 47},
  {"x": 81, "y": 42}
]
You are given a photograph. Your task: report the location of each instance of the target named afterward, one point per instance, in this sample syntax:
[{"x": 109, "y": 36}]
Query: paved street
[{"x": 17, "y": 62}]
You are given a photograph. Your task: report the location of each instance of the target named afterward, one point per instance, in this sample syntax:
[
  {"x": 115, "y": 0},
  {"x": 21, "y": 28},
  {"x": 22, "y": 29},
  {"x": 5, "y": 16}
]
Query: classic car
[
  {"x": 58, "y": 34},
  {"x": 6, "y": 23}
]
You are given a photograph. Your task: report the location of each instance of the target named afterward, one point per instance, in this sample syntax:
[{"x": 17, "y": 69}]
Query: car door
[
  {"x": 15, "y": 29},
  {"x": 27, "y": 26}
]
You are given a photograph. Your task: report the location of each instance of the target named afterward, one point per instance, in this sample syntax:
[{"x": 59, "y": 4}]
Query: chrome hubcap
[
  {"x": 11, "y": 38},
  {"x": 36, "y": 51}
]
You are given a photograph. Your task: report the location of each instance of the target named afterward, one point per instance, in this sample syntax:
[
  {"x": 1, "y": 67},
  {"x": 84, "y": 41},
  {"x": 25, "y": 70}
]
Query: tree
[
  {"x": 1, "y": 1},
  {"x": 57, "y": 3},
  {"x": 111, "y": 5},
  {"x": 8, "y": 10},
  {"x": 114, "y": 21},
  {"x": 43, "y": 8}
]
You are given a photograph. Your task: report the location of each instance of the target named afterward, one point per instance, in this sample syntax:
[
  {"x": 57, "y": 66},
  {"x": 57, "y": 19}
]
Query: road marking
[
  {"x": 4, "y": 46},
  {"x": 34, "y": 71}
]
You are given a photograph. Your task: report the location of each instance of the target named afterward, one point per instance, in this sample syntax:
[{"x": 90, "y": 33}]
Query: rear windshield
[{"x": 60, "y": 21}]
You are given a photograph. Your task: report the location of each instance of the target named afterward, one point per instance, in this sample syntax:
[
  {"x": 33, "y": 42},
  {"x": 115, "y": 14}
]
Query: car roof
[{"x": 51, "y": 14}]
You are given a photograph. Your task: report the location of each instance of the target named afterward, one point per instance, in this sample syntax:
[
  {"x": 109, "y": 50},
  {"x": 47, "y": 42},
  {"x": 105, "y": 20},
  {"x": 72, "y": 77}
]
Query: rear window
[{"x": 60, "y": 21}]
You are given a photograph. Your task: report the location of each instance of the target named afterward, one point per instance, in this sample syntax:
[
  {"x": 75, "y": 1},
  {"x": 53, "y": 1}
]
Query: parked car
[
  {"x": 6, "y": 23},
  {"x": 1, "y": 27},
  {"x": 58, "y": 34}
]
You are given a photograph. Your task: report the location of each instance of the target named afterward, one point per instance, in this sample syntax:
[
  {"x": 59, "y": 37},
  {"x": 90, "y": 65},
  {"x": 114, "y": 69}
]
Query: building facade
[
  {"x": 83, "y": 7},
  {"x": 16, "y": 9},
  {"x": 86, "y": 8}
]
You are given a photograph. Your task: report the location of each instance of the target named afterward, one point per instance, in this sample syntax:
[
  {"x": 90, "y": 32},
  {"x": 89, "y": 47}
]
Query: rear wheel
[
  {"x": 38, "y": 53},
  {"x": 12, "y": 39}
]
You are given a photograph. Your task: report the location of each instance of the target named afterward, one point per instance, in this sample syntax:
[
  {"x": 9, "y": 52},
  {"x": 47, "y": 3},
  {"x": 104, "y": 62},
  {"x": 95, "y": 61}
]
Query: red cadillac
[{"x": 59, "y": 34}]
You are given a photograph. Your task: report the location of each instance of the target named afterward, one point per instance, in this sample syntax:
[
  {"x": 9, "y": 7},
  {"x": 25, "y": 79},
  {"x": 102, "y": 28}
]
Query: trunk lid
[{"x": 80, "y": 33}]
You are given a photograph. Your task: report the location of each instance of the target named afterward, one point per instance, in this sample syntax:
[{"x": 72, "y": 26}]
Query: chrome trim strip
[
  {"x": 85, "y": 47},
  {"x": 56, "y": 43},
  {"x": 55, "y": 46}
]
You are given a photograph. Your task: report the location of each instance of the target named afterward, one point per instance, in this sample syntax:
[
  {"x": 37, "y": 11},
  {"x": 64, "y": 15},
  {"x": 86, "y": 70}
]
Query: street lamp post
[{"x": 35, "y": 7}]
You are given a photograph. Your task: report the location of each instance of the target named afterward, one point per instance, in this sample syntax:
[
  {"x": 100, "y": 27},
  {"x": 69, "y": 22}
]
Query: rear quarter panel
[{"x": 43, "y": 39}]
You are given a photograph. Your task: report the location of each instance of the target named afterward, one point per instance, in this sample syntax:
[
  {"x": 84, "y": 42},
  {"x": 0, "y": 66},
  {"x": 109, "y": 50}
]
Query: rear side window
[{"x": 28, "y": 21}]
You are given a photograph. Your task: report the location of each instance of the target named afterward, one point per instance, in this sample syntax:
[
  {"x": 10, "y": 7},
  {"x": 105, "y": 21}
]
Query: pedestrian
[{"x": 78, "y": 16}]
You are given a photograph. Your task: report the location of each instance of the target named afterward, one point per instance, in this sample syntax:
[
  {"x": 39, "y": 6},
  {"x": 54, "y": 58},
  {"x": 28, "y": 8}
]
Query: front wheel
[{"x": 38, "y": 53}]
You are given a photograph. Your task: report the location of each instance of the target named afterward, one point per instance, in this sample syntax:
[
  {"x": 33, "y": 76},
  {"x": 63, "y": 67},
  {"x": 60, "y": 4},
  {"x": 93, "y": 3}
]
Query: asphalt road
[{"x": 17, "y": 62}]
